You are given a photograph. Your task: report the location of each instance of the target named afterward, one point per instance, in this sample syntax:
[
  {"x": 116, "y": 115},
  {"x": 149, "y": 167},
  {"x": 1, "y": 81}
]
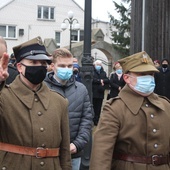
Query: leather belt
[
  {"x": 154, "y": 159},
  {"x": 38, "y": 152}
]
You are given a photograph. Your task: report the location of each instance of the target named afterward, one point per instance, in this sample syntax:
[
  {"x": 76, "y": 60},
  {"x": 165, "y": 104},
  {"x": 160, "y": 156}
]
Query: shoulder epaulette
[
  {"x": 57, "y": 93},
  {"x": 111, "y": 100},
  {"x": 164, "y": 98}
]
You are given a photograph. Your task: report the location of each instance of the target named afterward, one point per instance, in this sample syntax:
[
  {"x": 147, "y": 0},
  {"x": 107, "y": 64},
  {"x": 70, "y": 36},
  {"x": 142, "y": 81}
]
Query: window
[
  {"x": 74, "y": 35},
  {"x": 45, "y": 12},
  {"x": 81, "y": 35},
  {"x": 77, "y": 35},
  {"x": 57, "y": 38},
  {"x": 8, "y": 31}
]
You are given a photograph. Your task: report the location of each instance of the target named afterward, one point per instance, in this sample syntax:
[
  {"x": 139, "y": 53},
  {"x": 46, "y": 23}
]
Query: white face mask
[{"x": 144, "y": 85}]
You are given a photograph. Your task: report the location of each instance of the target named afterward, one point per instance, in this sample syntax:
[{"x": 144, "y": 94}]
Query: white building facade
[{"x": 22, "y": 20}]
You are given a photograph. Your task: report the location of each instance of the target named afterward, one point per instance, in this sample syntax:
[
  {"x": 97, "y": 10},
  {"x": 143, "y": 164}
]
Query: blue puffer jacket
[{"x": 80, "y": 110}]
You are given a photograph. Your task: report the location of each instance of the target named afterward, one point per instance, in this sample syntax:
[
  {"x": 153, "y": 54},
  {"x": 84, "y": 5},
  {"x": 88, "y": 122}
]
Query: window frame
[
  {"x": 7, "y": 33},
  {"x": 50, "y": 14},
  {"x": 78, "y": 35},
  {"x": 58, "y": 43}
]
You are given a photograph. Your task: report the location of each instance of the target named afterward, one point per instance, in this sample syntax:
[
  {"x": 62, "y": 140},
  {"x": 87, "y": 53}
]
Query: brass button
[
  {"x": 36, "y": 100},
  {"x": 155, "y": 145},
  {"x": 146, "y": 105},
  {"x": 42, "y": 129},
  {"x": 152, "y": 116},
  {"x": 39, "y": 113},
  {"x": 4, "y": 168},
  {"x": 42, "y": 163},
  {"x": 154, "y": 130}
]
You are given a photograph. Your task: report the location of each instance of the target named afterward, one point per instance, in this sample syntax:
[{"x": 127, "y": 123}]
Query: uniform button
[
  {"x": 4, "y": 168},
  {"x": 42, "y": 129},
  {"x": 146, "y": 105},
  {"x": 154, "y": 130},
  {"x": 39, "y": 113},
  {"x": 42, "y": 163},
  {"x": 152, "y": 116},
  {"x": 155, "y": 145},
  {"x": 43, "y": 145},
  {"x": 36, "y": 100}
]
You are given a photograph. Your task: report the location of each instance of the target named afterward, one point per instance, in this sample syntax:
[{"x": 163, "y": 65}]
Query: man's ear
[
  {"x": 52, "y": 66},
  {"x": 126, "y": 78},
  {"x": 18, "y": 65}
]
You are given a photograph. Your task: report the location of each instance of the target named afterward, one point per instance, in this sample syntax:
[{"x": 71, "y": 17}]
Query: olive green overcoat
[
  {"x": 33, "y": 119},
  {"x": 134, "y": 125}
]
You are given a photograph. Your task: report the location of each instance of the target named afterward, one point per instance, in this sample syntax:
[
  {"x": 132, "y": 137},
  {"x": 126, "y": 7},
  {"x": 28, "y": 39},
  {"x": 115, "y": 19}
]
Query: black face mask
[
  {"x": 35, "y": 74},
  {"x": 164, "y": 65},
  {"x": 75, "y": 71}
]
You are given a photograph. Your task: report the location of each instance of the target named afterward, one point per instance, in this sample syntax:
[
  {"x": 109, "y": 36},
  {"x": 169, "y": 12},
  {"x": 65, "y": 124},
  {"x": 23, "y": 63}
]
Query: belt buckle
[
  {"x": 37, "y": 152},
  {"x": 155, "y": 160}
]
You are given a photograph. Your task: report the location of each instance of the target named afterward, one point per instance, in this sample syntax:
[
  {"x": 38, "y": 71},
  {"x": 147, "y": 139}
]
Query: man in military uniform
[
  {"x": 34, "y": 129},
  {"x": 133, "y": 132}
]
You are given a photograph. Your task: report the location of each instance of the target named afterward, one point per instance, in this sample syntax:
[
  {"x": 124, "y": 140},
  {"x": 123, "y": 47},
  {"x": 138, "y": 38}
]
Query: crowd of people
[{"x": 46, "y": 112}]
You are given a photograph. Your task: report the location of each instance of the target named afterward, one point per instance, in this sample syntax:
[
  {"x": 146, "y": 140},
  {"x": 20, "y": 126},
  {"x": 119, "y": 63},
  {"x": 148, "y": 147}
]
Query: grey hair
[{"x": 98, "y": 62}]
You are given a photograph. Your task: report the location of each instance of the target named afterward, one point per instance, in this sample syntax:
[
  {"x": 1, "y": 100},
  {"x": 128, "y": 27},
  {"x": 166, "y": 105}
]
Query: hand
[
  {"x": 73, "y": 148},
  {"x": 4, "y": 67},
  {"x": 102, "y": 82}
]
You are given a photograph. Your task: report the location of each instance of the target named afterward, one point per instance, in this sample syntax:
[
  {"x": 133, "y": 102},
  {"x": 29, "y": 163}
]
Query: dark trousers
[{"x": 97, "y": 105}]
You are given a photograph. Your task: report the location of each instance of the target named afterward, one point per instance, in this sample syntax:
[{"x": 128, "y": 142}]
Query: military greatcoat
[
  {"x": 33, "y": 119},
  {"x": 133, "y": 125}
]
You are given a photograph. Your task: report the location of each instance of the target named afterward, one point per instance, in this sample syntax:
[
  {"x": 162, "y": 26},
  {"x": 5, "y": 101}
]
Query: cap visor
[
  {"x": 144, "y": 68},
  {"x": 39, "y": 57}
]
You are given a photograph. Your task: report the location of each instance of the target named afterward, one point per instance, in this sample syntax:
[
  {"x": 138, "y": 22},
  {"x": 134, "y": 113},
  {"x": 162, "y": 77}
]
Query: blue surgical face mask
[
  {"x": 145, "y": 84},
  {"x": 98, "y": 68},
  {"x": 64, "y": 73},
  {"x": 119, "y": 71}
]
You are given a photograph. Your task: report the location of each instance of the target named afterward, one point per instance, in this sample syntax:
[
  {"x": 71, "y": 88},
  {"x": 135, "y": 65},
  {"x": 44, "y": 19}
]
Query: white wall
[{"x": 23, "y": 14}]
